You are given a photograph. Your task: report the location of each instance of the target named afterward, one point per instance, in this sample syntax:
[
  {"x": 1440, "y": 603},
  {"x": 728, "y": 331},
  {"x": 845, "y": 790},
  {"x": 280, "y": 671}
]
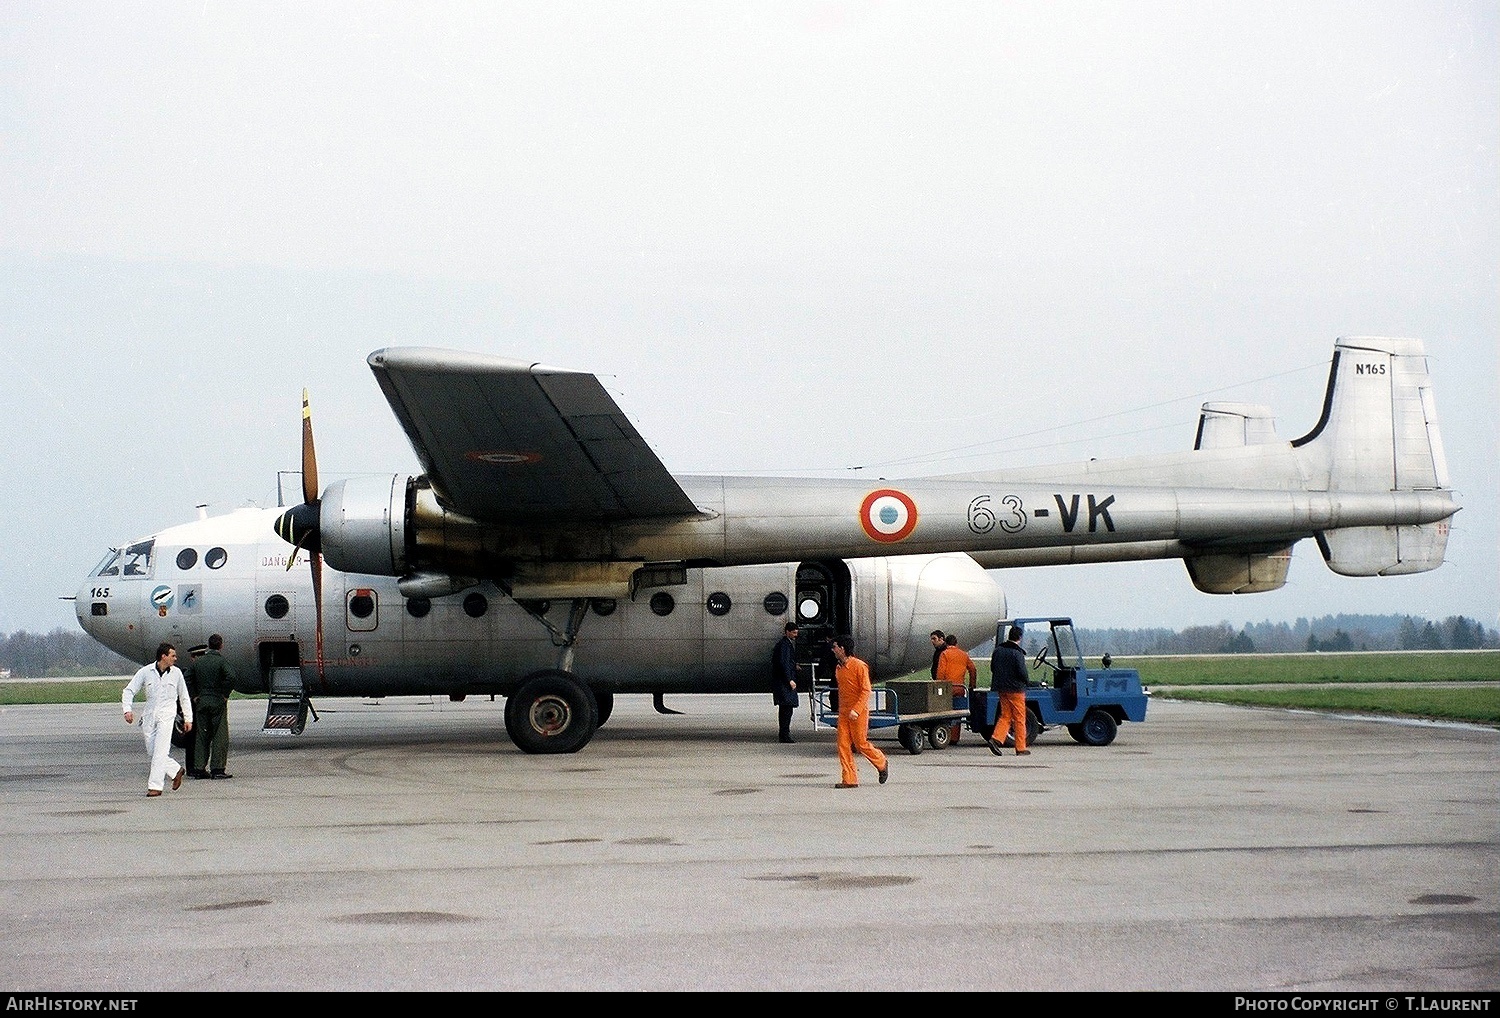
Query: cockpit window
[
  {"x": 111, "y": 564},
  {"x": 138, "y": 558}
]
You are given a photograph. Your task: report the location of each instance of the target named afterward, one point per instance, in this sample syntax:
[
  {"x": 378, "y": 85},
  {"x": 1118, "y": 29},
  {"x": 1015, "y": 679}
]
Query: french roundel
[{"x": 888, "y": 515}]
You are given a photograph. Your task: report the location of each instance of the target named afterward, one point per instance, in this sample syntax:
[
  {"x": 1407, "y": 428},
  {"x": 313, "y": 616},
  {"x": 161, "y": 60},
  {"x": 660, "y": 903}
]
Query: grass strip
[{"x": 1476, "y": 705}]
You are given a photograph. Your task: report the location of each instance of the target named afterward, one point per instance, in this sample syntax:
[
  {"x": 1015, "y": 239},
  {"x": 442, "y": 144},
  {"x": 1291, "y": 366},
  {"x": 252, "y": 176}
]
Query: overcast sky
[{"x": 907, "y": 237}]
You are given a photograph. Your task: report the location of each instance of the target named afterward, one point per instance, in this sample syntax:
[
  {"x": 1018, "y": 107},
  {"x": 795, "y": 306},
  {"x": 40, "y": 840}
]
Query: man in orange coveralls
[
  {"x": 956, "y": 668},
  {"x": 853, "y": 677}
]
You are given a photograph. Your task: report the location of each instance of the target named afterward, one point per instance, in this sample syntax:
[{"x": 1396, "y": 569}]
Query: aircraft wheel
[
  {"x": 606, "y": 704},
  {"x": 551, "y": 712},
  {"x": 911, "y": 738},
  {"x": 1099, "y": 728},
  {"x": 941, "y": 736}
]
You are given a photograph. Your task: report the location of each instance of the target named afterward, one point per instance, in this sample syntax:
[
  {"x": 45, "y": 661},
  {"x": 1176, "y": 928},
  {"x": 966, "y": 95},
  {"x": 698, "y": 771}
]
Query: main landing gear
[{"x": 554, "y": 711}]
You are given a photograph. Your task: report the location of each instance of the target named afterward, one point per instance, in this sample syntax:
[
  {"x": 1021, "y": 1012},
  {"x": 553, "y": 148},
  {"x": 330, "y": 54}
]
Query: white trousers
[{"x": 157, "y": 729}]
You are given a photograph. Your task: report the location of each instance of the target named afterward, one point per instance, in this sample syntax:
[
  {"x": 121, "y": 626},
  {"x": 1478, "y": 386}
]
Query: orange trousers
[
  {"x": 1012, "y": 716},
  {"x": 854, "y": 736}
]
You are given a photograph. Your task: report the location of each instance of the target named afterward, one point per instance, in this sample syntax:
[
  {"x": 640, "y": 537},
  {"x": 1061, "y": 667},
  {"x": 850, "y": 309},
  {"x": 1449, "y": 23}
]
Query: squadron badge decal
[
  {"x": 888, "y": 515},
  {"x": 162, "y": 598}
]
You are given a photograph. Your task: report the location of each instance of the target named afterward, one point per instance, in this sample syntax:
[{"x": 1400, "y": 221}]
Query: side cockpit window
[
  {"x": 137, "y": 559},
  {"x": 110, "y": 566}
]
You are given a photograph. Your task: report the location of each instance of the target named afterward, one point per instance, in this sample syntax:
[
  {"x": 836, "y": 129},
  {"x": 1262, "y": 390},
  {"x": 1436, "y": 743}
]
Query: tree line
[
  {"x": 60, "y": 653},
  {"x": 1330, "y": 633},
  {"x": 65, "y": 652}
]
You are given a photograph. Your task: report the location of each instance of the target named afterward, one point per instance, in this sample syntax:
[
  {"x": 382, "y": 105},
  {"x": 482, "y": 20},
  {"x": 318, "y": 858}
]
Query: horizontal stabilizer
[{"x": 1385, "y": 551}]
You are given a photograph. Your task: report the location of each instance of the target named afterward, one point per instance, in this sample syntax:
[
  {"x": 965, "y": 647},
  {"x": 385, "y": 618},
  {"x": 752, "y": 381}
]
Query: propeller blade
[{"x": 309, "y": 456}]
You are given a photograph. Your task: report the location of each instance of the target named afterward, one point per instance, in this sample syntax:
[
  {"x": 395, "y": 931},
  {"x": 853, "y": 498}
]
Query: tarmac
[{"x": 406, "y": 844}]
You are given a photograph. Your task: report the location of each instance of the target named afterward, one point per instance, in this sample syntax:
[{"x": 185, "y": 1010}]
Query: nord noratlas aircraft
[{"x": 546, "y": 555}]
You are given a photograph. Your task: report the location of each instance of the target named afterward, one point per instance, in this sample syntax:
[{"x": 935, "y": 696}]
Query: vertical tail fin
[{"x": 1378, "y": 433}]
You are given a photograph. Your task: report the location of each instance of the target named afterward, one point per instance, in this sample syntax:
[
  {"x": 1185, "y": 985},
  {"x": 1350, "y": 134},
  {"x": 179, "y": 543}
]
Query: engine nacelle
[
  {"x": 1252, "y": 571},
  {"x": 362, "y": 525},
  {"x": 393, "y": 525},
  {"x": 916, "y": 594}
]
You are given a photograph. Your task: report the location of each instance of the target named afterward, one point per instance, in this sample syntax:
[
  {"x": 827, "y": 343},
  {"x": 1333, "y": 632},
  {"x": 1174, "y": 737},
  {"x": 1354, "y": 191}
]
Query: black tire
[
  {"x": 551, "y": 712},
  {"x": 1099, "y": 728},
  {"x": 940, "y": 736},
  {"x": 912, "y": 738},
  {"x": 606, "y": 704},
  {"x": 1076, "y": 731},
  {"x": 1033, "y": 727}
]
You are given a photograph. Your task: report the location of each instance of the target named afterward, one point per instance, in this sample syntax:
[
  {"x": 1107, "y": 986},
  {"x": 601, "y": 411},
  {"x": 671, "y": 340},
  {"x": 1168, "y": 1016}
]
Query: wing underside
[{"x": 508, "y": 441}]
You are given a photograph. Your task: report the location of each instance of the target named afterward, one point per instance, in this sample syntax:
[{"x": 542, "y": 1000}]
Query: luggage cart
[{"x": 914, "y": 731}]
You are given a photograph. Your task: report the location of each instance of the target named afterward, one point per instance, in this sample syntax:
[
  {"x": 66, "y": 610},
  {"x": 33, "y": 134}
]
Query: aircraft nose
[{"x": 298, "y": 526}]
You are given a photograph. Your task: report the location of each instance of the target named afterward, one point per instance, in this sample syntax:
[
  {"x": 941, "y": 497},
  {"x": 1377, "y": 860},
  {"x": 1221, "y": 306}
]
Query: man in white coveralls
[{"x": 166, "y": 691}]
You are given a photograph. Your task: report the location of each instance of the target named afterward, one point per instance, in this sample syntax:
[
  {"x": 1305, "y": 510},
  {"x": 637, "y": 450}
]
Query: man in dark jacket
[
  {"x": 215, "y": 681},
  {"x": 939, "y": 644},
  {"x": 1009, "y": 678},
  {"x": 784, "y": 680}
]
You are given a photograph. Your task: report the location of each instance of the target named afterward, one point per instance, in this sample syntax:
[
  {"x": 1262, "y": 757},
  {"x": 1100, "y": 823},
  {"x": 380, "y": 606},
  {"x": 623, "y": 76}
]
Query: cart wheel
[
  {"x": 1033, "y": 726},
  {"x": 911, "y": 738},
  {"x": 940, "y": 735}
]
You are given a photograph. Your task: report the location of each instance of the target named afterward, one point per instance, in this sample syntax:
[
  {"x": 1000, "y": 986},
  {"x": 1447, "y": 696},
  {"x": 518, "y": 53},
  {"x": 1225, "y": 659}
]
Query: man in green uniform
[{"x": 215, "y": 681}]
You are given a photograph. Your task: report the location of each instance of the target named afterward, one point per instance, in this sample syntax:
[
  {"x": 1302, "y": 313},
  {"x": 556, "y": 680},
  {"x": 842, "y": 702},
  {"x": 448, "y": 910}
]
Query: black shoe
[
  {"x": 198, "y": 774},
  {"x": 996, "y": 748},
  {"x": 786, "y": 738},
  {"x": 221, "y": 774},
  {"x": 885, "y": 773}
]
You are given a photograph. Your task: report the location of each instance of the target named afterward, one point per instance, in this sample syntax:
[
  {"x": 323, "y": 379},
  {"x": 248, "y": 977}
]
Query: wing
[{"x": 506, "y": 441}]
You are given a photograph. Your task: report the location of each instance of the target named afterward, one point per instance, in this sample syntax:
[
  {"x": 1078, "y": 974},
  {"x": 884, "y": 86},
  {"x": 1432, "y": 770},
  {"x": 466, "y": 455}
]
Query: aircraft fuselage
[{"x": 712, "y": 632}]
